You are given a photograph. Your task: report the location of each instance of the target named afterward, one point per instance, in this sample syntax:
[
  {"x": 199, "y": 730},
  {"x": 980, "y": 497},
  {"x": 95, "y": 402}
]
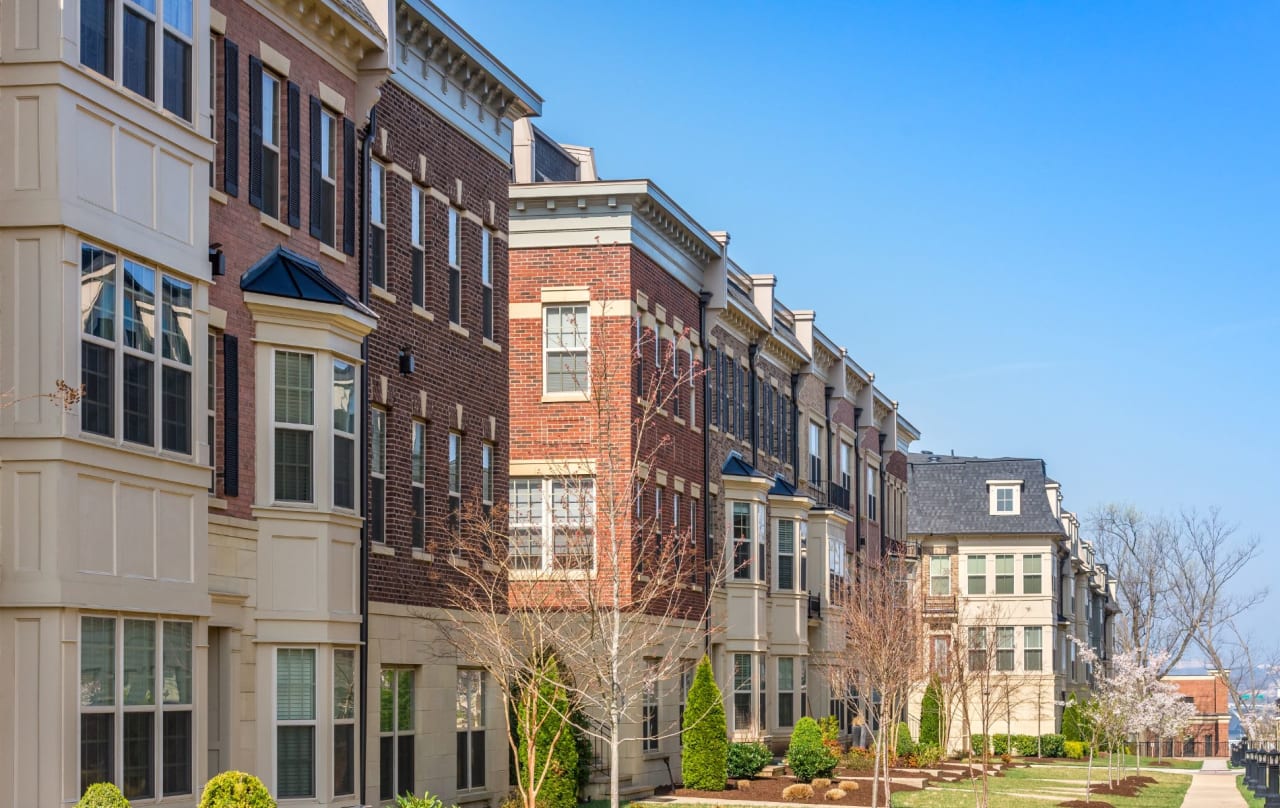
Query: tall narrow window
[
  {"x": 295, "y": 722},
  {"x": 742, "y": 541},
  {"x": 873, "y": 492},
  {"x": 977, "y": 575},
  {"x": 977, "y": 648},
  {"x": 139, "y": 56},
  {"x": 211, "y": 407},
  {"x": 471, "y": 729},
  {"x": 649, "y": 708},
  {"x": 524, "y": 502},
  {"x": 455, "y": 478},
  {"x": 835, "y": 567},
  {"x": 97, "y": 36},
  {"x": 328, "y": 190},
  {"x": 741, "y": 692},
  {"x": 178, "y": 32},
  {"x": 378, "y": 475},
  {"x": 176, "y": 362},
  {"x": 676, "y": 403},
  {"x": 1004, "y": 648},
  {"x": 294, "y": 415},
  {"x": 1004, "y": 574},
  {"x": 693, "y": 391},
  {"x": 573, "y": 522},
  {"x": 939, "y": 575},
  {"x": 455, "y": 266},
  {"x": 786, "y": 550},
  {"x": 139, "y": 327},
  {"x": 97, "y": 347},
  {"x": 486, "y": 281},
  {"x": 486, "y": 475},
  {"x": 395, "y": 734},
  {"x": 786, "y": 691},
  {"x": 1031, "y": 577},
  {"x": 344, "y": 721},
  {"x": 815, "y": 454},
  {"x": 675, "y": 513},
  {"x": 378, "y": 225},
  {"x": 344, "y": 434},
  {"x": 418, "y": 464},
  {"x": 565, "y": 347},
  {"x": 1032, "y": 648},
  {"x": 417, "y": 245},
  {"x": 271, "y": 144},
  {"x": 212, "y": 89}
]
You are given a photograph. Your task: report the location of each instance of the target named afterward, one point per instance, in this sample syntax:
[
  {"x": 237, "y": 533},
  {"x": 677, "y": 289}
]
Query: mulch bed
[
  {"x": 769, "y": 789},
  {"x": 1083, "y": 804}
]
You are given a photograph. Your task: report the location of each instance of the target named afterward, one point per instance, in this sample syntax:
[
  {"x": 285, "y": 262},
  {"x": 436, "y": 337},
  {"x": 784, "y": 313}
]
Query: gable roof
[
  {"x": 949, "y": 495},
  {"x": 282, "y": 273}
]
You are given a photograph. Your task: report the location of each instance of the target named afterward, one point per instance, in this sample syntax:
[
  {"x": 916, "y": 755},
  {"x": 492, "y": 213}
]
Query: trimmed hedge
[
  {"x": 807, "y": 756},
  {"x": 1026, "y": 745},
  {"x": 102, "y": 795},
  {"x": 704, "y": 747},
  {"x": 747, "y": 759},
  {"x": 236, "y": 790},
  {"x": 1052, "y": 745},
  {"x": 1076, "y": 750},
  {"x": 980, "y": 743}
]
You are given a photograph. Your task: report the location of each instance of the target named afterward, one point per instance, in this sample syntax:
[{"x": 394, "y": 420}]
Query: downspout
[
  {"x": 367, "y": 153},
  {"x": 856, "y": 510},
  {"x": 753, "y": 350},
  {"x": 884, "y": 523},
  {"x": 827, "y": 393},
  {"x": 707, "y": 516}
]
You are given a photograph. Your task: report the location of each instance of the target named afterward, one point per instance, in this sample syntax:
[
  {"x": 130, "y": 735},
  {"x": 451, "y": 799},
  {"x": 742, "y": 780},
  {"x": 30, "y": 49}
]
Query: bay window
[
  {"x": 742, "y": 541},
  {"x": 785, "y": 555},
  {"x": 742, "y": 687},
  {"x": 649, "y": 708},
  {"x": 136, "y": 61},
  {"x": 344, "y": 434},
  {"x": 1004, "y": 648},
  {"x": 977, "y": 649},
  {"x": 1032, "y": 648},
  {"x": 295, "y": 722},
  {"x": 977, "y": 574},
  {"x": 1004, "y": 574},
  {"x": 294, "y": 425}
]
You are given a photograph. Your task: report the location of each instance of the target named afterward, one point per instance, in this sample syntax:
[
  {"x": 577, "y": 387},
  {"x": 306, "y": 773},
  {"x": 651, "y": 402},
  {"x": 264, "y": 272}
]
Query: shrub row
[{"x": 1047, "y": 745}]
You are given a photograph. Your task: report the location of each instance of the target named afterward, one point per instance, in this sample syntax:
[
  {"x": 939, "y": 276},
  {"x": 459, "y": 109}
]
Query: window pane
[
  {"x": 139, "y": 384},
  {"x": 418, "y": 456},
  {"x": 97, "y": 28},
  {"x": 786, "y": 674},
  {"x": 344, "y": 397},
  {"x": 378, "y": 449},
  {"x": 404, "y": 701},
  {"x": 175, "y": 410},
  {"x": 97, "y": 292},
  {"x": 139, "y": 755},
  {"x": 386, "y": 767},
  {"x": 295, "y": 383},
  {"x": 293, "y": 465},
  {"x": 524, "y": 498},
  {"x": 97, "y": 374},
  {"x": 177, "y": 15},
  {"x": 477, "y": 759},
  {"x": 177, "y": 752},
  {"x": 387, "y": 697},
  {"x": 344, "y": 472},
  {"x": 97, "y": 661},
  {"x": 177, "y": 320},
  {"x": 139, "y": 54},
  {"x": 177, "y": 662},
  {"x": 455, "y": 471},
  {"x": 344, "y": 759},
  {"x": 344, "y": 684},
  {"x": 295, "y": 684},
  {"x": 139, "y": 674},
  {"x": 97, "y": 749},
  {"x": 404, "y": 764},
  {"x": 139, "y": 306},
  {"x": 177, "y": 75},
  {"x": 295, "y": 761}
]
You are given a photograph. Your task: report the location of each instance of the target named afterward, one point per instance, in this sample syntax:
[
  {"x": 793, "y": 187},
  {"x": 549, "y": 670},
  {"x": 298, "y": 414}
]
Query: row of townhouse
[{"x": 1008, "y": 584}]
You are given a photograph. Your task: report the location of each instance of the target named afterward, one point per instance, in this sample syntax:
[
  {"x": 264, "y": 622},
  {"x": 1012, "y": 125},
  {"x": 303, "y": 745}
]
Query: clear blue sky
[{"x": 1051, "y": 229}]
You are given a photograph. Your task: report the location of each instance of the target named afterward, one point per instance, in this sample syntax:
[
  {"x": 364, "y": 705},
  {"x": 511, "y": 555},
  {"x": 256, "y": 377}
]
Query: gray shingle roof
[
  {"x": 949, "y": 495},
  {"x": 356, "y": 9}
]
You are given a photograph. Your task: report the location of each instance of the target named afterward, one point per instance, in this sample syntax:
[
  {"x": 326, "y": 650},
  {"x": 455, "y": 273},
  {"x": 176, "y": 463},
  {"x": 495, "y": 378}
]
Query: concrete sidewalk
[{"x": 1214, "y": 786}]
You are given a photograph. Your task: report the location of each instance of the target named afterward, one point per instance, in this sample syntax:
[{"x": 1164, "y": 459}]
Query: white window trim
[
  {"x": 794, "y": 554},
  {"x": 318, "y": 742},
  {"x": 377, "y": 414},
  {"x": 268, "y": 75},
  {"x": 486, "y": 473},
  {"x": 548, "y": 566},
  {"x": 329, "y": 169},
  {"x": 993, "y": 486},
  {"x": 583, "y": 329},
  {"x": 378, "y": 195}
]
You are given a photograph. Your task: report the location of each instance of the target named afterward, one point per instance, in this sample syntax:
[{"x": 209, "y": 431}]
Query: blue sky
[{"x": 1051, "y": 230}]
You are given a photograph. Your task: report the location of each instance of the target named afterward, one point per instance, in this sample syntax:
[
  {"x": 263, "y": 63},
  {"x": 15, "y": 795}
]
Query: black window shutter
[
  {"x": 255, "y": 132},
  {"x": 348, "y": 187},
  {"x": 231, "y": 119},
  {"x": 317, "y": 230},
  {"x": 295, "y": 155},
  {"x": 230, "y": 416}
]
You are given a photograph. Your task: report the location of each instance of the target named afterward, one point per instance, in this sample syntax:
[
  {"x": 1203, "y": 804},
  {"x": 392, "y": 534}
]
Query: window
[
  {"x": 846, "y": 466},
  {"x": 638, "y": 354},
  {"x": 675, "y": 380},
  {"x": 486, "y": 282},
  {"x": 295, "y": 722},
  {"x": 649, "y": 719},
  {"x": 873, "y": 489},
  {"x": 559, "y": 537},
  {"x": 294, "y": 425},
  {"x": 119, "y": 342},
  {"x": 804, "y": 688},
  {"x": 977, "y": 575},
  {"x": 742, "y": 541},
  {"x": 345, "y": 396},
  {"x": 417, "y": 213},
  {"x": 328, "y": 191},
  {"x": 1004, "y": 500},
  {"x": 455, "y": 266},
  {"x": 470, "y": 721},
  {"x": 658, "y": 492},
  {"x": 786, "y": 555},
  {"x": 693, "y": 391},
  {"x": 418, "y": 481},
  {"x": 378, "y": 475},
  {"x": 815, "y": 453},
  {"x": 786, "y": 691},
  {"x": 137, "y": 58},
  {"x": 762, "y": 716},
  {"x": 693, "y": 523},
  {"x": 675, "y": 513},
  {"x": 1004, "y": 648},
  {"x": 136, "y": 697},
  {"x": 686, "y": 682},
  {"x": 486, "y": 476},
  {"x": 211, "y": 407},
  {"x": 213, "y": 103},
  {"x": 1004, "y": 574},
  {"x": 939, "y": 575},
  {"x": 977, "y": 649},
  {"x": 566, "y": 342},
  {"x": 1032, "y": 648},
  {"x": 395, "y": 734},
  {"x": 835, "y": 566},
  {"x": 378, "y": 224},
  {"x": 176, "y": 72},
  {"x": 97, "y": 36},
  {"x": 455, "y": 478},
  {"x": 344, "y": 721},
  {"x": 270, "y": 112},
  {"x": 941, "y": 654},
  {"x": 1031, "y": 578},
  {"x": 741, "y": 691}
]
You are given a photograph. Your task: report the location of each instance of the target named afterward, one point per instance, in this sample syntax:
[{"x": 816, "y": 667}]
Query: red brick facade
[{"x": 1207, "y": 735}]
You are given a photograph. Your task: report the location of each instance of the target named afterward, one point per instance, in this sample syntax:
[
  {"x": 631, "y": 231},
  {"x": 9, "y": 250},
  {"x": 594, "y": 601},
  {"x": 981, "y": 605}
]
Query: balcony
[
  {"x": 940, "y": 606},
  {"x": 903, "y": 549},
  {"x": 815, "y": 607},
  {"x": 839, "y": 496}
]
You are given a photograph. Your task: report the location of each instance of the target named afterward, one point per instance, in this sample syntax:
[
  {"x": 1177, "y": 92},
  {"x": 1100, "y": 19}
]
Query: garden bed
[{"x": 769, "y": 789}]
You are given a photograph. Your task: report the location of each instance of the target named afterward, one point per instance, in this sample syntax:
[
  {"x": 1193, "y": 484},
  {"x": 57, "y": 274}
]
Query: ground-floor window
[
  {"x": 786, "y": 691},
  {"x": 396, "y": 733},
  {"x": 135, "y": 705},
  {"x": 650, "y": 708},
  {"x": 741, "y": 691},
  {"x": 295, "y": 722},
  {"x": 470, "y": 728},
  {"x": 344, "y": 721}
]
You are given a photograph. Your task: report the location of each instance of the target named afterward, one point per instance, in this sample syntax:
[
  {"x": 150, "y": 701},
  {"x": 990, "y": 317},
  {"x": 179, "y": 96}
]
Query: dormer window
[{"x": 1005, "y": 497}]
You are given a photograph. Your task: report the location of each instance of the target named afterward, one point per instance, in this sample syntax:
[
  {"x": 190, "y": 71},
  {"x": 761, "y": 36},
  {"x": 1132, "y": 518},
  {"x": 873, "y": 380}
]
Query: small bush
[
  {"x": 236, "y": 790},
  {"x": 905, "y": 745},
  {"x": 1001, "y": 744},
  {"x": 427, "y": 800},
  {"x": 807, "y": 756},
  {"x": 847, "y": 785},
  {"x": 1026, "y": 745},
  {"x": 1076, "y": 750},
  {"x": 1051, "y": 745},
  {"x": 979, "y": 744},
  {"x": 830, "y": 727},
  {"x": 931, "y": 714},
  {"x": 704, "y": 759},
  {"x": 926, "y": 756},
  {"x": 747, "y": 759},
  {"x": 820, "y": 783},
  {"x": 102, "y": 795},
  {"x": 834, "y": 794},
  {"x": 858, "y": 759},
  {"x": 798, "y": 791},
  {"x": 1006, "y": 758}
]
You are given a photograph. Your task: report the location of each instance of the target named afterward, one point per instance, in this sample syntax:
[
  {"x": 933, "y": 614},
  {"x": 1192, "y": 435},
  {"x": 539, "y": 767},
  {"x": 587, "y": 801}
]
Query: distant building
[{"x": 1210, "y": 731}]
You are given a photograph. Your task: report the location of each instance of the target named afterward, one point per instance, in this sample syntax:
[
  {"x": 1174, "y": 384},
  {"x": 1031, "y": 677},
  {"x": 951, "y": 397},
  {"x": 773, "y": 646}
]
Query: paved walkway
[{"x": 1214, "y": 786}]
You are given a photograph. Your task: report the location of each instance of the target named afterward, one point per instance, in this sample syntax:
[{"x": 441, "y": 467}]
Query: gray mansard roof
[{"x": 949, "y": 495}]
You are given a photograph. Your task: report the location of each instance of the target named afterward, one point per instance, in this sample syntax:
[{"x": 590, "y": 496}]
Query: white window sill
[
  {"x": 572, "y": 395},
  {"x": 275, "y": 224},
  {"x": 491, "y": 345},
  {"x": 423, "y": 313},
  {"x": 329, "y": 252},
  {"x": 421, "y": 555},
  {"x": 550, "y": 575},
  {"x": 379, "y": 292},
  {"x": 459, "y": 330},
  {"x": 217, "y": 503},
  {"x": 217, "y": 196},
  {"x": 381, "y": 549}
]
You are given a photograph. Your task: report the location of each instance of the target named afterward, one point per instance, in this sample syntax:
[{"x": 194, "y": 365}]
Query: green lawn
[
  {"x": 1064, "y": 781},
  {"x": 1254, "y": 802}
]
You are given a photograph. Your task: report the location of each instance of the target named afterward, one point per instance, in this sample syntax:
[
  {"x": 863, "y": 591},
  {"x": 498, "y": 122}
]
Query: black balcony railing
[
  {"x": 839, "y": 496},
  {"x": 815, "y": 607}
]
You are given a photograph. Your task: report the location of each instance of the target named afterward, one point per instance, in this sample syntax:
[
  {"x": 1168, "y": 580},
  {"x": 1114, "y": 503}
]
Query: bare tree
[
  {"x": 619, "y": 595},
  {"x": 1251, "y": 669}
]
